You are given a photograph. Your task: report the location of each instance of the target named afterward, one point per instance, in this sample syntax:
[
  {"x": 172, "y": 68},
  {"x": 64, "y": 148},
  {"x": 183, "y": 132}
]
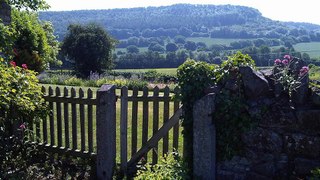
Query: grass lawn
[
  {"x": 168, "y": 71},
  {"x": 139, "y": 134}
]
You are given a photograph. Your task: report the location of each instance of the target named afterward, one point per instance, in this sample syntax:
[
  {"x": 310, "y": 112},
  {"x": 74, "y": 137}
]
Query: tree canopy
[{"x": 89, "y": 47}]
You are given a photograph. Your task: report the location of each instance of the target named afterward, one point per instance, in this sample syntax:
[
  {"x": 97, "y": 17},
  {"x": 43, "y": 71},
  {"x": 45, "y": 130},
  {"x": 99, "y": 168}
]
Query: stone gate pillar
[{"x": 204, "y": 139}]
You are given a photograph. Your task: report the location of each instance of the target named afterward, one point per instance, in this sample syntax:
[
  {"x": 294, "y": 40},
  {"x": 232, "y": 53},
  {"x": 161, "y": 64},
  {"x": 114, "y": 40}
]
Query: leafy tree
[
  {"x": 132, "y": 49},
  {"x": 155, "y": 47},
  {"x": 171, "y": 47},
  {"x": 190, "y": 45},
  {"x": 89, "y": 47},
  {"x": 28, "y": 4},
  {"x": 179, "y": 39}
]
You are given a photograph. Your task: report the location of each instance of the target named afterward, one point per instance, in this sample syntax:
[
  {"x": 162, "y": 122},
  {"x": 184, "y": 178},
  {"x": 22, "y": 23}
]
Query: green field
[
  {"x": 312, "y": 48},
  {"x": 211, "y": 41},
  {"x": 168, "y": 71}
]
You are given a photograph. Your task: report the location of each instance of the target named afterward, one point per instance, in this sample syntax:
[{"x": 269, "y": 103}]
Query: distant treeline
[{"x": 222, "y": 21}]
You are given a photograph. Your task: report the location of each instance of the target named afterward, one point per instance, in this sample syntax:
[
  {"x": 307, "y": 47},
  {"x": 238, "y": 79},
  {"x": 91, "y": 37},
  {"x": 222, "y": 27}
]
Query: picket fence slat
[
  {"x": 59, "y": 118},
  {"x": 82, "y": 122},
  {"x": 66, "y": 119},
  {"x": 134, "y": 121},
  {"x": 165, "y": 119},
  {"x": 145, "y": 119},
  {"x": 123, "y": 128},
  {"x": 51, "y": 119},
  {"x": 74, "y": 121},
  {"x": 155, "y": 123},
  {"x": 90, "y": 125},
  {"x": 176, "y": 127}
]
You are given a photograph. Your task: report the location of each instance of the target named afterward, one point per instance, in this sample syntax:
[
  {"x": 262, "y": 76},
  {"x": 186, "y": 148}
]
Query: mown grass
[
  {"x": 139, "y": 126},
  {"x": 167, "y": 71}
]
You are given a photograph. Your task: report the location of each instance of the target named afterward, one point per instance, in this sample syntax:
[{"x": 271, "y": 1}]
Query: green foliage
[
  {"x": 34, "y": 43},
  {"x": 20, "y": 96},
  {"x": 29, "y": 4},
  {"x": 6, "y": 41},
  {"x": 21, "y": 104},
  {"x": 193, "y": 78},
  {"x": 315, "y": 174},
  {"x": 171, "y": 167},
  {"x": 89, "y": 47},
  {"x": 231, "y": 117}
]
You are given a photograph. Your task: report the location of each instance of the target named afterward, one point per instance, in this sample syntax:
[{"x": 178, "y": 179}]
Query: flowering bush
[
  {"x": 20, "y": 96},
  {"x": 287, "y": 77},
  {"x": 21, "y": 104}
]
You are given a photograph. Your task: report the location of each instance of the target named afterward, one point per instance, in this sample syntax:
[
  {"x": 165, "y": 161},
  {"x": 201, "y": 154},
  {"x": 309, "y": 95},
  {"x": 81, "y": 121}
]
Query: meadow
[
  {"x": 167, "y": 71},
  {"x": 312, "y": 48}
]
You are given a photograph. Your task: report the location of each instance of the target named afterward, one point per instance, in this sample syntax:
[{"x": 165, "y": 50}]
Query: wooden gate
[{"x": 150, "y": 109}]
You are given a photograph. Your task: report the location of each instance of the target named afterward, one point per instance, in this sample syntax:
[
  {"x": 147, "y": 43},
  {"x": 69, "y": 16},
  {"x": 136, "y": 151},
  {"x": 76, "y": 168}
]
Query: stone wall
[
  {"x": 5, "y": 13},
  {"x": 285, "y": 144}
]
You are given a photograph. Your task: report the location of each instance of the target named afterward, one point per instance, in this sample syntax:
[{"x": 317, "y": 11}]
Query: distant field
[
  {"x": 168, "y": 71},
  {"x": 141, "y": 49},
  {"x": 211, "y": 41},
  {"x": 312, "y": 48}
]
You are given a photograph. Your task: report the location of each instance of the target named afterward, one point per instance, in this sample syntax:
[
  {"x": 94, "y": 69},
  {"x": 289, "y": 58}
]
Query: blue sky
[{"x": 283, "y": 10}]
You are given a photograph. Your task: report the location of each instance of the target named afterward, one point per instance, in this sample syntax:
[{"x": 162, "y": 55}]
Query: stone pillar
[
  {"x": 204, "y": 139},
  {"x": 5, "y": 13}
]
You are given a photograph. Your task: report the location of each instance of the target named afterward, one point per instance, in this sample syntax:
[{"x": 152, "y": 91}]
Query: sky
[{"x": 282, "y": 10}]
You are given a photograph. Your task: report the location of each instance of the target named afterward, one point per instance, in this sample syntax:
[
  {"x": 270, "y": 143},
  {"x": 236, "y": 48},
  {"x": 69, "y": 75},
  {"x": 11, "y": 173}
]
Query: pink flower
[
  {"x": 24, "y": 66},
  {"x": 277, "y": 61},
  {"x": 288, "y": 57},
  {"x": 22, "y": 126},
  {"x": 13, "y": 63},
  {"x": 285, "y": 62},
  {"x": 304, "y": 70}
]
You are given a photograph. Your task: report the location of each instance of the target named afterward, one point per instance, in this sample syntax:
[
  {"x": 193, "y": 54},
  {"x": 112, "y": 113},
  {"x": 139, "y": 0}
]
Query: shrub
[
  {"x": 170, "y": 167},
  {"x": 21, "y": 104},
  {"x": 73, "y": 81}
]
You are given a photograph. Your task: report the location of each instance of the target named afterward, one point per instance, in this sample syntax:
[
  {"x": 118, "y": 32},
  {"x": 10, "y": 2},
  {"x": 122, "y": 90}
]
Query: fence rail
[{"x": 71, "y": 127}]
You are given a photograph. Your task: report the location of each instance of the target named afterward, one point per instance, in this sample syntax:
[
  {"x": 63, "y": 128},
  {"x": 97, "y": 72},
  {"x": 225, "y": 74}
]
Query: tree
[
  {"x": 171, "y": 47},
  {"x": 89, "y": 47},
  {"x": 190, "y": 45},
  {"x": 156, "y": 47},
  {"x": 28, "y": 4},
  {"x": 132, "y": 49}
]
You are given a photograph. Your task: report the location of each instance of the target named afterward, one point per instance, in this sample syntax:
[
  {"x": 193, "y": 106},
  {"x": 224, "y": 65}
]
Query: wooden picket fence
[{"x": 84, "y": 124}]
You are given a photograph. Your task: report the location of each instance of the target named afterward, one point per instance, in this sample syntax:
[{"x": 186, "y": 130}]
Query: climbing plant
[{"x": 230, "y": 117}]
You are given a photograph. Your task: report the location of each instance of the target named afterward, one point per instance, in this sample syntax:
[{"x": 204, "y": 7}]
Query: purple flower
[
  {"x": 288, "y": 57},
  {"x": 285, "y": 62},
  {"x": 277, "y": 61},
  {"x": 304, "y": 70}
]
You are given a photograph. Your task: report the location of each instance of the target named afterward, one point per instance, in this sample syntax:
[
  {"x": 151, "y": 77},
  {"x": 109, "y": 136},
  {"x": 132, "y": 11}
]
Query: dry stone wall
[{"x": 285, "y": 144}]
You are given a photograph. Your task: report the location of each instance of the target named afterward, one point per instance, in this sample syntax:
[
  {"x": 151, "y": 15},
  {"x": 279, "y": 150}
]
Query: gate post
[
  {"x": 106, "y": 131},
  {"x": 204, "y": 139}
]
